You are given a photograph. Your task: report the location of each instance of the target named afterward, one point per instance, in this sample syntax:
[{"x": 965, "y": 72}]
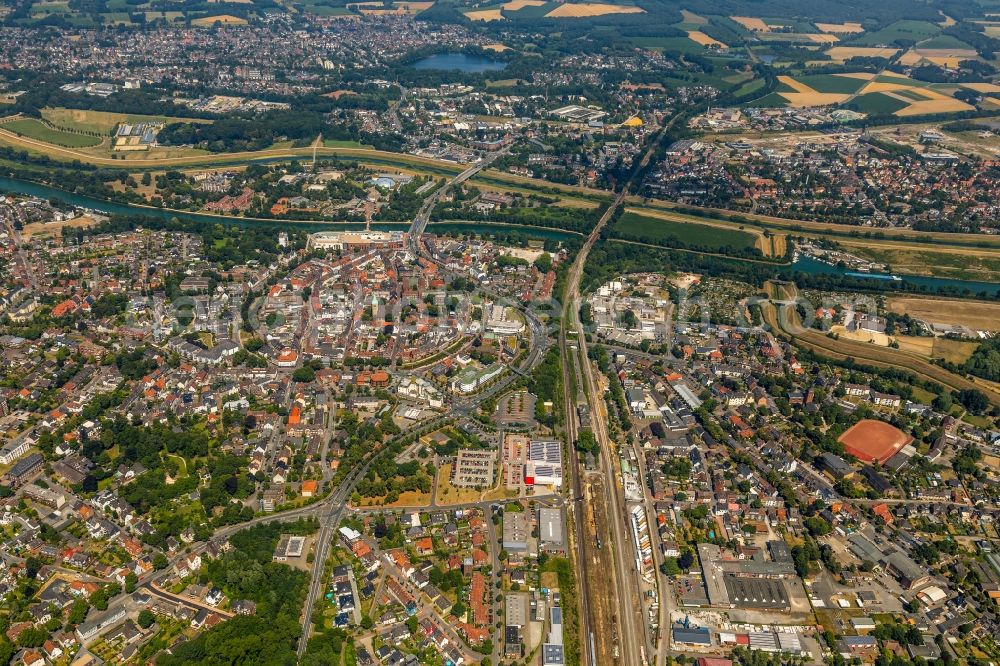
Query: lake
[{"x": 459, "y": 61}]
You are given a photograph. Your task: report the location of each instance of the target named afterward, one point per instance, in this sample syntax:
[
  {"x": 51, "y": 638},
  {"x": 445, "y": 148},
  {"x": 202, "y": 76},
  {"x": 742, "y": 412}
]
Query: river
[{"x": 805, "y": 264}]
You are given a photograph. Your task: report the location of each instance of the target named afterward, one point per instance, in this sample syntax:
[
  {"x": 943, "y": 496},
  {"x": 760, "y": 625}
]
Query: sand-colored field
[
  {"x": 50, "y": 229},
  {"x": 699, "y": 37},
  {"x": 585, "y": 9},
  {"x": 514, "y": 5},
  {"x": 411, "y": 7},
  {"x": 844, "y": 53},
  {"x": 840, "y": 28},
  {"x": 931, "y": 106},
  {"x": 953, "y": 351},
  {"x": 977, "y": 315},
  {"x": 946, "y": 21},
  {"x": 864, "y": 76},
  {"x": 982, "y": 87},
  {"x": 752, "y": 24},
  {"x": 485, "y": 15},
  {"x": 224, "y": 19},
  {"x": 992, "y": 30},
  {"x": 823, "y": 39},
  {"x": 692, "y": 18},
  {"x": 498, "y": 48},
  {"x": 814, "y": 98},
  {"x": 795, "y": 85}
]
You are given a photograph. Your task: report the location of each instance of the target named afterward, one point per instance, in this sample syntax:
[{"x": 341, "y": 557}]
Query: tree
[
  {"x": 160, "y": 561},
  {"x": 146, "y": 618},
  {"x": 304, "y": 374},
  {"x": 686, "y": 560},
  {"x": 131, "y": 580},
  {"x": 670, "y": 567},
  {"x": 974, "y": 400}
]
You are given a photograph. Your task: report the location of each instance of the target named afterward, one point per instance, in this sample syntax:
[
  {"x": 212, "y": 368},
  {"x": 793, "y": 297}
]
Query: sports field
[{"x": 870, "y": 439}]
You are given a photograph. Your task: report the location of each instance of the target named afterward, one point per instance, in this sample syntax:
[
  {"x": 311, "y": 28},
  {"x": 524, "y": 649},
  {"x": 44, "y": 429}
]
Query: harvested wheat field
[
  {"x": 699, "y": 37},
  {"x": 841, "y": 54},
  {"x": 814, "y": 98},
  {"x": 485, "y": 15},
  {"x": 931, "y": 106},
  {"x": 840, "y": 28},
  {"x": 224, "y": 19},
  {"x": 864, "y": 76},
  {"x": 982, "y": 87},
  {"x": 976, "y": 315},
  {"x": 752, "y": 24},
  {"x": 586, "y": 9},
  {"x": 823, "y": 39},
  {"x": 797, "y": 86},
  {"x": 498, "y": 48},
  {"x": 514, "y": 5}
]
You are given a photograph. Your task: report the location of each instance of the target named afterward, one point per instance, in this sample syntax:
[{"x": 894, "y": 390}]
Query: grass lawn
[
  {"x": 33, "y": 129},
  {"x": 694, "y": 235}
]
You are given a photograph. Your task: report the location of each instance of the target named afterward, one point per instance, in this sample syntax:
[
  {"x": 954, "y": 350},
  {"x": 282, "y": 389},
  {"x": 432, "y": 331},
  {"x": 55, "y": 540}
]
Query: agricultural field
[
  {"x": 701, "y": 236},
  {"x": 698, "y": 37},
  {"x": 840, "y": 28},
  {"x": 102, "y": 122},
  {"x": 914, "y": 31},
  {"x": 588, "y": 9},
  {"x": 818, "y": 89},
  {"x": 979, "y": 316},
  {"x": 841, "y": 54},
  {"x": 222, "y": 19},
  {"x": 955, "y": 262},
  {"x": 34, "y": 129}
]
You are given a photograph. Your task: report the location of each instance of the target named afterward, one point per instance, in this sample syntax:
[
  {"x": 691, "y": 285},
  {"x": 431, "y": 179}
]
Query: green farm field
[
  {"x": 641, "y": 227},
  {"x": 34, "y": 129}
]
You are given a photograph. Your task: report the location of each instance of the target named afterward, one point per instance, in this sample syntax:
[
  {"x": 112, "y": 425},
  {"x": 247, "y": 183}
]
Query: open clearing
[
  {"x": 954, "y": 351},
  {"x": 699, "y": 37},
  {"x": 224, "y": 19},
  {"x": 51, "y": 229},
  {"x": 977, "y": 315},
  {"x": 586, "y": 9},
  {"x": 840, "y": 28}
]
